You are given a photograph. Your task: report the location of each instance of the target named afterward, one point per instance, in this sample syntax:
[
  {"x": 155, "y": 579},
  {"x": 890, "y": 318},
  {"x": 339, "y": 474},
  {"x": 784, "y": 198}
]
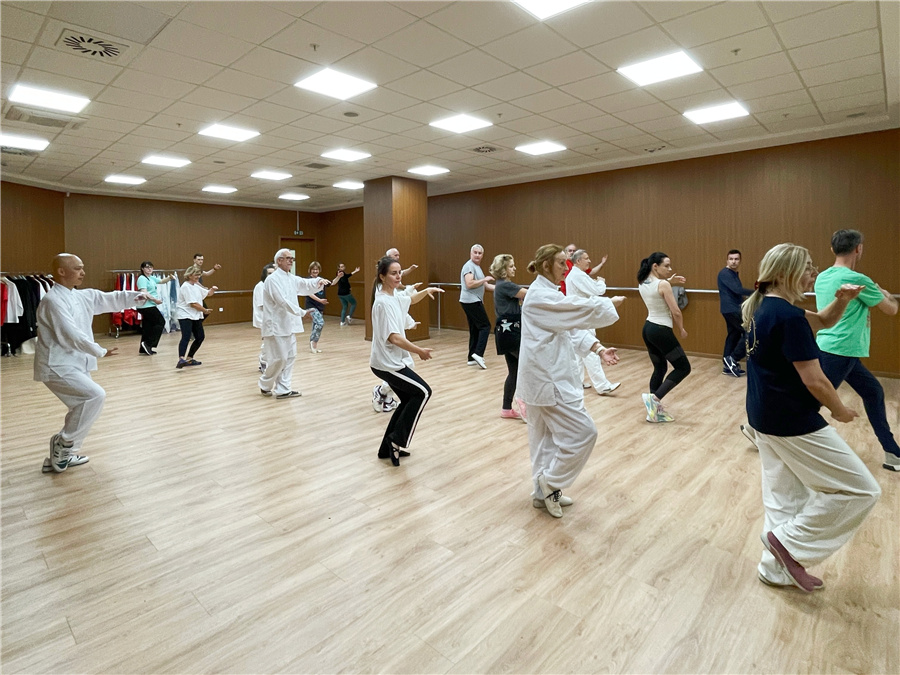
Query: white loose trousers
[
  {"x": 594, "y": 366},
  {"x": 815, "y": 492},
  {"x": 561, "y": 438},
  {"x": 280, "y": 352},
  {"x": 82, "y": 396}
]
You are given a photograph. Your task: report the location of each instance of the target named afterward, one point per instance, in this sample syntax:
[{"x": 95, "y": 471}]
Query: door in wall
[{"x": 304, "y": 252}]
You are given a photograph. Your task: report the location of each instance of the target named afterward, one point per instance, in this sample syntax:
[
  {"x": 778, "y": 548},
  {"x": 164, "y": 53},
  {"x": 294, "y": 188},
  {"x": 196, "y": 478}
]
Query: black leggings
[
  {"x": 413, "y": 393},
  {"x": 663, "y": 346},
  {"x": 152, "y": 324},
  {"x": 479, "y": 327},
  {"x": 189, "y": 327},
  {"x": 512, "y": 375}
]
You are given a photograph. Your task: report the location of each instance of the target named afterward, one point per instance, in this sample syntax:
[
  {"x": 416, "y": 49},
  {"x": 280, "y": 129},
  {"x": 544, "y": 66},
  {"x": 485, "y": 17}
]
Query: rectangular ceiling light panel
[
  {"x": 716, "y": 113},
  {"x": 44, "y": 98},
  {"x": 228, "y": 133},
  {"x": 293, "y": 196},
  {"x": 345, "y": 155},
  {"x": 271, "y": 175},
  {"x": 162, "y": 160},
  {"x": 125, "y": 180},
  {"x": 22, "y": 142},
  {"x": 540, "y": 148},
  {"x": 428, "y": 170},
  {"x": 460, "y": 124},
  {"x": 220, "y": 189},
  {"x": 335, "y": 84},
  {"x": 349, "y": 185},
  {"x": 660, "y": 69},
  {"x": 544, "y": 9}
]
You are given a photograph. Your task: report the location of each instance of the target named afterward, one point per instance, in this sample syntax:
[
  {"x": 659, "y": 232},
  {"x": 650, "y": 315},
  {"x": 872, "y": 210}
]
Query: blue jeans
[
  {"x": 850, "y": 369},
  {"x": 348, "y": 304}
]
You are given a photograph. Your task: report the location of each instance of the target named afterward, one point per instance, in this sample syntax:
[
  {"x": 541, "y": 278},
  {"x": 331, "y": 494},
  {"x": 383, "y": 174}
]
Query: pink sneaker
[
  {"x": 519, "y": 406},
  {"x": 510, "y": 415}
]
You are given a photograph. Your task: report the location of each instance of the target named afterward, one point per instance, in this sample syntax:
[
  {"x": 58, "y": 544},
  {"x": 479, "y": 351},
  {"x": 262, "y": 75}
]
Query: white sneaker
[
  {"x": 551, "y": 498},
  {"x": 563, "y": 501},
  {"x": 750, "y": 433},
  {"x": 586, "y": 385},
  {"x": 610, "y": 389},
  {"x": 480, "y": 361},
  {"x": 470, "y": 362},
  {"x": 377, "y": 399},
  {"x": 74, "y": 460},
  {"x": 60, "y": 454}
]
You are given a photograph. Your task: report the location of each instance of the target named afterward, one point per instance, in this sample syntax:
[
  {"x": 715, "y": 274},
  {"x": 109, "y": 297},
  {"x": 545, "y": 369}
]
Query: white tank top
[{"x": 657, "y": 309}]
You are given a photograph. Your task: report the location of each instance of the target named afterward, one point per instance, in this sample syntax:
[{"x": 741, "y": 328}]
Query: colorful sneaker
[
  {"x": 663, "y": 416},
  {"x": 651, "y": 404},
  {"x": 520, "y": 407},
  {"x": 510, "y": 414}
]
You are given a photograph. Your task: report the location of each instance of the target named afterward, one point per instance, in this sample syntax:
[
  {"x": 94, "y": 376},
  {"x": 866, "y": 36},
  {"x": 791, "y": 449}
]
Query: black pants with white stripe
[{"x": 413, "y": 393}]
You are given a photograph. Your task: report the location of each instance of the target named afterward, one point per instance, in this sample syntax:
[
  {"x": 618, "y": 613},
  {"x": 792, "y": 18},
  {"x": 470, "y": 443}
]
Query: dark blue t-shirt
[
  {"x": 312, "y": 304},
  {"x": 778, "y": 403},
  {"x": 731, "y": 291}
]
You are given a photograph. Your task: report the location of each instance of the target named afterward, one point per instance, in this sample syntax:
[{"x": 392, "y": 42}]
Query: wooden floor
[{"x": 217, "y": 531}]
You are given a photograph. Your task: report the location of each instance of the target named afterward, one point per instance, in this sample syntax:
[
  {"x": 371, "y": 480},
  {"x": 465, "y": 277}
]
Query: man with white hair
[
  {"x": 66, "y": 353},
  {"x": 282, "y": 319},
  {"x": 580, "y": 285},
  {"x": 471, "y": 296}
]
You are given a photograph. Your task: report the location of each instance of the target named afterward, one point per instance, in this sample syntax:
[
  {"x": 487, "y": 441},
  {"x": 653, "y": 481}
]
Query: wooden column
[{"x": 395, "y": 215}]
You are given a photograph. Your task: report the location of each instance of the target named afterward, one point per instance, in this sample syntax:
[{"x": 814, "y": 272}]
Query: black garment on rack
[{"x": 14, "y": 334}]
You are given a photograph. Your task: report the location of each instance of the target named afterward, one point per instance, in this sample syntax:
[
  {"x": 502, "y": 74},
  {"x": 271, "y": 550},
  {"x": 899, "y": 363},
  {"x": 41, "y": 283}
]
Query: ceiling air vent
[
  {"x": 18, "y": 151},
  {"x": 484, "y": 149},
  {"x": 656, "y": 149},
  {"x": 310, "y": 186},
  {"x": 43, "y": 118},
  {"x": 316, "y": 165},
  {"x": 90, "y": 46}
]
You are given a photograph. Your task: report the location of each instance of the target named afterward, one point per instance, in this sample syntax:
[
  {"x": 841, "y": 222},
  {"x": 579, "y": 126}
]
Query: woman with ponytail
[
  {"x": 815, "y": 490},
  {"x": 561, "y": 433},
  {"x": 662, "y": 344}
]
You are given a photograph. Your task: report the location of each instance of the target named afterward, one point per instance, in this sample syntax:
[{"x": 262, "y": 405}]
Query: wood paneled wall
[
  {"x": 32, "y": 228},
  {"x": 695, "y": 211}
]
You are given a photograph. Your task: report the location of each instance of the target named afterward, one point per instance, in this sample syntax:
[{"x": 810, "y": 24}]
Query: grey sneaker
[
  {"x": 290, "y": 394},
  {"x": 891, "y": 462}
]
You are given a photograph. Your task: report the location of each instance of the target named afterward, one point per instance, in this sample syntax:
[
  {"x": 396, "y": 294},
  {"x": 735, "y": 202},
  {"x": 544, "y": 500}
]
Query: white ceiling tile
[
  {"x": 384, "y": 100},
  {"x": 568, "y": 69},
  {"x": 200, "y": 43},
  {"x": 15, "y": 52},
  {"x": 858, "y": 85},
  {"x": 750, "y": 45},
  {"x": 640, "y": 46},
  {"x": 72, "y": 66},
  {"x": 783, "y": 10},
  {"x": 273, "y": 65},
  {"x": 778, "y": 101},
  {"x": 844, "y": 19},
  {"x": 644, "y": 113},
  {"x": 545, "y": 100},
  {"x": 715, "y": 23},
  {"x": 220, "y": 100},
  {"x": 161, "y": 134},
  {"x": 112, "y": 125},
  {"x": 599, "y": 86},
  {"x": 838, "y": 49},
  {"x": 594, "y": 125},
  {"x": 133, "y": 99},
  {"x": 512, "y": 86},
  {"x": 664, "y": 11},
  {"x": 236, "y": 82},
  {"x": 408, "y": 138},
  {"x": 794, "y": 124},
  {"x": 671, "y": 121},
  {"x": 772, "y": 116},
  {"x": 300, "y": 99},
  {"x": 193, "y": 116},
  {"x": 842, "y": 70},
  {"x": 471, "y": 68},
  {"x": 245, "y": 121},
  {"x": 247, "y": 21},
  {"x": 20, "y": 25},
  {"x": 753, "y": 69},
  {"x": 480, "y": 23},
  {"x": 529, "y": 47},
  {"x": 767, "y": 87},
  {"x": 324, "y": 125},
  {"x": 740, "y": 133},
  {"x": 836, "y": 116},
  {"x": 365, "y": 22},
  {"x": 375, "y": 66},
  {"x": 59, "y": 82},
  {"x": 574, "y": 113},
  {"x": 127, "y": 21},
  {"x": 339, "y": 110},
  {"x": 147, "y": 83},
  {"x": 423, "y": 113},
  {"x": 424, "y": 85},
  {"x": 683, "y": 136},
  {"x": 92, "y": 132},
  {"x": 682, "y": 86},
  {"x": 422, "y": 44},
  {"x": 530, "y": 125},
  {"x": 466, "y": 101},
  {"x": 850, "y": 103},
  {"x": 293, "y": 133},
  {"x": 361, "y": 134},
  {"x": 176, "y": 66},
  {"x": 618, "y": 134},
  {"x": 701, "y": 100},
  {"x": 623, "y": 101},
  {"x": 117, "y": 112},
  {"x": 599, "y": 22}
]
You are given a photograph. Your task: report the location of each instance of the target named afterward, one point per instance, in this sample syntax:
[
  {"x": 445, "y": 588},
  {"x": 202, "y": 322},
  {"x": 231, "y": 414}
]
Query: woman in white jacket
[
  {"x": 258, "y": 311},
  {"x": 555, "y": 328}
]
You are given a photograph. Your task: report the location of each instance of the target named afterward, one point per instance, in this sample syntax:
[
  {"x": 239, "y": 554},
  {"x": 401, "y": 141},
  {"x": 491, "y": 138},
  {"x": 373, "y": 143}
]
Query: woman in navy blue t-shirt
[{"x": 815, "y": 490}]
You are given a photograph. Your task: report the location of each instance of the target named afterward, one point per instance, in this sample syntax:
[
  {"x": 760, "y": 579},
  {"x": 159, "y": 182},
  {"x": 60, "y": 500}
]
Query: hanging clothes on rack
[{"x": 24, "y": 292}]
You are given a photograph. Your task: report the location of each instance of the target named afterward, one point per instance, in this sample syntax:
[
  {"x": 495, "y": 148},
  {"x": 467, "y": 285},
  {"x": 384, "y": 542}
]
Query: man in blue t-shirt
[
  {"x": 845, "y": 343},
  {"x": 731, "y": 295}
]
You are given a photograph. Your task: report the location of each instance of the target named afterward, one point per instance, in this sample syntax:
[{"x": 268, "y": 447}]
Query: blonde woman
[
  {"x": 815, "y": 490},
  {"x": 508, "y": 329},
  {"x": 315, "y": 305},
  {"x": 561, "y": 433}
]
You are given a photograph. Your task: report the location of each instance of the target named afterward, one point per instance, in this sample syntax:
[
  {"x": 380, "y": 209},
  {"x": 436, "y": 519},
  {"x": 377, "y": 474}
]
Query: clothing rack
[{"x": 19, "y": 275}]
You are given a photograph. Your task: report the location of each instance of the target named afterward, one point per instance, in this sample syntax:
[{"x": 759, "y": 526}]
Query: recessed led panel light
[
  {"x": 162, "y": 160},
  {"x": 125, "y": 180},
  {"x": 349, "y": 185},
  {"x": 270, "y": 175},
  {"x": 716, "y": 113},
  {"x": 428, "y": 170},
  {"x": 23, "y": 142},
  {"x": 220, "y": 189},
  {"x": 335, "y": 84},
  {"x": 44, "y": 98},
  {"x": 346, "y": 155},
  {"x": 460, "y": 124},
  {"x": 660, "y": 69},
  {"x": 293, "y": 196},
  {"x": 541, "y": 148},
  {"x": 228, "y": 133},
  {"x": 544, "y": 9}
]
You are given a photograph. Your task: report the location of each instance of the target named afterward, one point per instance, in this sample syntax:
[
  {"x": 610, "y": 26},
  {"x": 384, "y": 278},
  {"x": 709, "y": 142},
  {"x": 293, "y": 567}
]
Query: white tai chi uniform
[
  {"x": 282, "y": 319},
  {"x": 580, "y": 285},
  {"x": 561, "y": 433},
  {"x": 66, "y": 353},
  {"x": 258, "y": 321}
]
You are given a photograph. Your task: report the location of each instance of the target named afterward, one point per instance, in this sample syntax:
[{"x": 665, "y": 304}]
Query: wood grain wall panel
[
  {"x": 695, "y": 211},
  {"x": 33, "y": 228},
  {"x": 340, "y": 240}
]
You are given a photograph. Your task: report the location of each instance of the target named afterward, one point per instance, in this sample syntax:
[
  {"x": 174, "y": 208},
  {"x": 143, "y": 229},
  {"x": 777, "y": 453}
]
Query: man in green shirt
[{"x": 845, "y": 343}]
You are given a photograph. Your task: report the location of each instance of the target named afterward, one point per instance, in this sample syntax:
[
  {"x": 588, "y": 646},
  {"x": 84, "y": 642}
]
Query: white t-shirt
[
  {"x": 187, "y": 294},
  {"x": 389, "y": 316}
]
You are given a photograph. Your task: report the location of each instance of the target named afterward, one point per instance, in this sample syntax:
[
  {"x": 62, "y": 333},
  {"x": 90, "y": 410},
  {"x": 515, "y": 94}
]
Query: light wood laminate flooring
[{"x": 215, "y": 530}]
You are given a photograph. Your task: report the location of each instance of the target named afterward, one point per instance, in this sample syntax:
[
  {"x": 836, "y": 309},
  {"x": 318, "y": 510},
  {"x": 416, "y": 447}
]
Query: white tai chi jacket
[
  {"x": 578, "y": 283},
  {"x": 282, "y": 314},
  {"x": 64, "y": 331},
  {"x": 554, "y": 329}
]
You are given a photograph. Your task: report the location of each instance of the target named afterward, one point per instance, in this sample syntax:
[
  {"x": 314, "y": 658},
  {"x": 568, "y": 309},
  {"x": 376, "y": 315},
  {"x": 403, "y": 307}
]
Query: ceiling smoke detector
[
  {"x": 90, "y": 46},
  {"x": 485, "y": 149}
]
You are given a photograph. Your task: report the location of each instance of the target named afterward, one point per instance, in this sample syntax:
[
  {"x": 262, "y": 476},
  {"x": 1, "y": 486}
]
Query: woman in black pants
[
  {"x": 663, "y": 315},
  {"x": 508, "y": 331},
  {"x": 190, "y": 313},
  {"x": 152, "y": 320},
  {"x": 391, "y": 361}
]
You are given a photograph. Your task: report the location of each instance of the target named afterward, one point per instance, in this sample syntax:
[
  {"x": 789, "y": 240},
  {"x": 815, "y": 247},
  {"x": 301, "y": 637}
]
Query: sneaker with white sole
[
  {"x": 610, "y": 389},
  {"x": 891, "y": 462},
  {"x": 551, "y": 498},
  {"x": 74, "y": 460},
  {"x": 290, "y": 394},
  {"x": 750, "y": 434},
  {"x": 563, "y": 501},
  {"x": 731, "y": 367},
  {"x": 389, "y": 405},
  {"x": 60, "y": 454},
  {"x": 651, "y": 404},
  {"x": 520, "y": 407},
  {"x": 480, "y": 361},
  {"x": 377, "y": 399}
]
